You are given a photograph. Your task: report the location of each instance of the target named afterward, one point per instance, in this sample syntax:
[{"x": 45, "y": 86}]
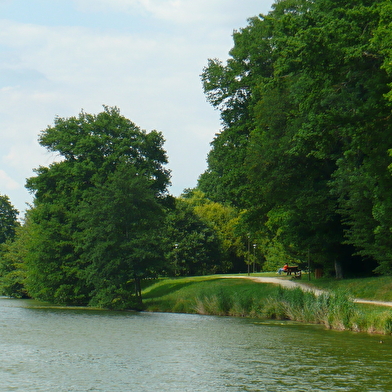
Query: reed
[{"x": 335, "y": 311}]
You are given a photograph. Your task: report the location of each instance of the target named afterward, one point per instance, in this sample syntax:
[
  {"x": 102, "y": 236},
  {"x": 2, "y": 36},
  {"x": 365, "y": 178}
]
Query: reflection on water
[{"x": 46, "y": 349}]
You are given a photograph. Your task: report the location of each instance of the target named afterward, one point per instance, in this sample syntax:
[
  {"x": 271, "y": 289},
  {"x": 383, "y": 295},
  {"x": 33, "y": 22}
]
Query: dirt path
[{"x": 305, "y": 287}]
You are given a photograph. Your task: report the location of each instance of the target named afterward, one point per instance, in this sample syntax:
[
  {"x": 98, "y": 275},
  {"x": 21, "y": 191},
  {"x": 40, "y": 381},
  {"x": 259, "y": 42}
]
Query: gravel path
[{"x": 292, "y": 284}]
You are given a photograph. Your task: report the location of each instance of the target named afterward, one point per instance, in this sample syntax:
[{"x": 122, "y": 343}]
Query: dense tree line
[
  {"x": 300, "y": 172},
  {"x": 305, "y": 101}
]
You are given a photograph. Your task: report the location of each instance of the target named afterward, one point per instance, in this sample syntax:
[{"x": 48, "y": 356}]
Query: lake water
[{"x": 43, "y": 349}]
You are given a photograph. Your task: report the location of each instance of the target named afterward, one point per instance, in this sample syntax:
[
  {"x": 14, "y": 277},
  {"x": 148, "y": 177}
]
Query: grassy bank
[
  {"x": 214, "y": 295},
  {"x": 208, "y": 295},
  {"x": 374, "y": 288}
]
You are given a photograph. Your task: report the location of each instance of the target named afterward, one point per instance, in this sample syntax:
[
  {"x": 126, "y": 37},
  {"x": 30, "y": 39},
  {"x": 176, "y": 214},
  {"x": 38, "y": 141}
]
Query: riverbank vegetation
[
  {"x": 300, "y": 173},
  {"x": 235, "y": 296}
]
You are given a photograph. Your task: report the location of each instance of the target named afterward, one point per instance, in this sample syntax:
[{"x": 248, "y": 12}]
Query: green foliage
[
  {"x": 8, "y": 219},
  {"x": 112, "y": 297},
  {"x": 275, "y": 254},
  {"x": 12, "y": 270},
  {"x": 301, "y": 167},
  {"x": 224, "y": 220},
  {"x": 11, "y": 251},
  {"x": 383, "y": 38},
  {"x": 119, "y": 240},
  {"x": 193, "y": 247},
  {"x": 307, "y": 130},
  {"x": 97, "y": 213}
]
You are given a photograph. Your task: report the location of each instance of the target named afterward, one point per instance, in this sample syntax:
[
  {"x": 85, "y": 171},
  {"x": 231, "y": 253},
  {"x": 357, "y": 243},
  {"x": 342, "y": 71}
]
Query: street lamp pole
[
  {"x": 254, "y": 258},
  {"x": 175, "y": 259},
  {"x": 248, "y": 254}
]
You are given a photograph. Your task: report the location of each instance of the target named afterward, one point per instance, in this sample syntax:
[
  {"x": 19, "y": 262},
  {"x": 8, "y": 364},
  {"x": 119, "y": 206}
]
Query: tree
[
  {"x": 231, "y": 88},
  {"x": 306, "y": 124},
  {"x": 120, "y": 244},
  {"x": 8, "y": 219},
  {"x": 12, "y": 264},
  {"x": 10, "y": 276},
  {"x": 383, "y": 37},
  {"x": 224, "y": 220},
  {"x": 192, "y": 246},
  {"x": 94, "y": 210}
]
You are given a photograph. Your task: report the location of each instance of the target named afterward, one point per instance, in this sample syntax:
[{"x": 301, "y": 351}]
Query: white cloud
[
  {"x": 7, "y": 183},
  {"x": 25, "y": 157},
  {"x": 152, "y": 76},
  {"x": 181, "y": 11}
]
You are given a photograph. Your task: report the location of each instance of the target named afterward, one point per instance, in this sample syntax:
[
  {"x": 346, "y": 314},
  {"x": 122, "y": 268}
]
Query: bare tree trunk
[
  {"x": 338, "y": 270},
  {"x": 138, "y": 291}
]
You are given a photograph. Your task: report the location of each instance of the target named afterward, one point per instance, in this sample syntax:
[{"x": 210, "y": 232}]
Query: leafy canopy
[{"x": 97, "y": 211}]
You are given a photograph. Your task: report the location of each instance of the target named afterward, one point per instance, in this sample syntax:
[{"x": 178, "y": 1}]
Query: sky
[{"x": 59, "y": 57}]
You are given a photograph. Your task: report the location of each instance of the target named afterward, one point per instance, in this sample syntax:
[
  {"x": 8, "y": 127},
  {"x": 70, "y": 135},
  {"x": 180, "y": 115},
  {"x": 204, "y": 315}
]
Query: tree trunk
[
  {"x": 338, "y": 270},
  {"x": 138, "y": 291}
]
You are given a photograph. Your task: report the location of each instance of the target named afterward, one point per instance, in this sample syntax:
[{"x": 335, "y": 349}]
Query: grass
[
  {"x": 217, "y": 295},
  {"x": 206, "y": 295},
  {"x": 374, "y": 288}
]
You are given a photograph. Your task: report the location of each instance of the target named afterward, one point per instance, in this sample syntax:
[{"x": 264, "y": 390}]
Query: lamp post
[
  {"x": 254, "y": 258},
  {"x": 175, "y": 259},
  {"x": 248, "y": 254}
]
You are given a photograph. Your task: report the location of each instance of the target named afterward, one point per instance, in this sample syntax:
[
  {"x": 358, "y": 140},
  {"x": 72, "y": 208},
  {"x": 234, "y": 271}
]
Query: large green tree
[
  {"x": 307, "y": 129},
  {"x": 96, "y": 211},
  {"x": 120, "y": 241}
]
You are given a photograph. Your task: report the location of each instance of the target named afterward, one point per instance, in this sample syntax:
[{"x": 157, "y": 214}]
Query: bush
[{"x": 115, "y": 299}]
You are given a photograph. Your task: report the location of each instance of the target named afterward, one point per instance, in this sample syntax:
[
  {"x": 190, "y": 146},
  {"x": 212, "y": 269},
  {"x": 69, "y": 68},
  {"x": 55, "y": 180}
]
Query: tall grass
[
  {"x": 335, "y": 311},
  {"x": 244, "y": 298},
  {"x": 237, "y": 304}
]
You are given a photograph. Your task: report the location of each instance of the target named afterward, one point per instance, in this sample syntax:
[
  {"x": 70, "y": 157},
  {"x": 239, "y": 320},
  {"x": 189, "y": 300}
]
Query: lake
[{"x": 46, "y": 349}]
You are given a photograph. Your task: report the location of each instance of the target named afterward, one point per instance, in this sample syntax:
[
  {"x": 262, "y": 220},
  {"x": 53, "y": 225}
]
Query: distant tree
[
  {"x": 12, "y": 260},
  {"x": 11, "y": 276},
  {"x": 192, "y": 246},
  {"x": 224, "y": 220},
  {"x": 8, "y": 219}
]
